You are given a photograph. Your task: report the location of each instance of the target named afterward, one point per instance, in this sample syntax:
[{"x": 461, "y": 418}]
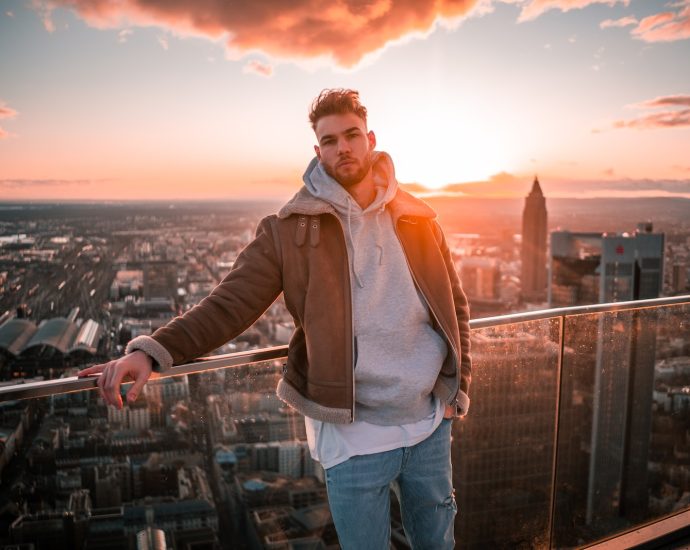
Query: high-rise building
[
  {"x": 290, "y": 458},
  {"x": 679, "y": 277},
  {"x": 534, "y": 245},
  {"x": 613, "y": 371},
  {"x": 159, "y": 279},
  {"x": 481, "y": 278},
  {"x": 588, "y": 268}
]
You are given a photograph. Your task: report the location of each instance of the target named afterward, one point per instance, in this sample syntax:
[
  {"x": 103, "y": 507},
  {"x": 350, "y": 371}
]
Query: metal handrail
[{"x": 44, "y": 388}]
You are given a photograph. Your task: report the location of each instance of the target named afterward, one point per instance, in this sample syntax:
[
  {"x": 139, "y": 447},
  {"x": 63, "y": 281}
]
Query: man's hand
[{"x": 135, "y": 366}]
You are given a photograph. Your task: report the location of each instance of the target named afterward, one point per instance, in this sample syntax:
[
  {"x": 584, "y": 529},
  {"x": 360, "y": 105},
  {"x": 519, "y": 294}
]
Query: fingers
[
  {"x": 101, "y": 382},
  {"x": 141, "y": 379},
  {"x": 113, "y": 373},
  {"x": 106, "y": 387},
  {"x": 110, "y": 382},
  {"x": 93, "y": 369}
]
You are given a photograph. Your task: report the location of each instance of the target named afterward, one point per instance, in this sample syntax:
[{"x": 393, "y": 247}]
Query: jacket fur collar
[{"x": 403, "y": 204}]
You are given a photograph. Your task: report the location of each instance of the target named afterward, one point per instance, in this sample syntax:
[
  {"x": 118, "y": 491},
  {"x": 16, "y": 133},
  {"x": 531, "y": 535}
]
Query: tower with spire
[{"x": 533, "y": 252}]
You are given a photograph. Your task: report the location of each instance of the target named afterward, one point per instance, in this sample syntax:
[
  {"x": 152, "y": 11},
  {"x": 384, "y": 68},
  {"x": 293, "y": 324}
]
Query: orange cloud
[
  {"x": 25, "y": 183},
  {"x": 665, "y": 26},
  {"x": 6, "y": 112},
  {"x": 662, "y": 119},
  {"x": 343, "y": 30},
  {"x": 531, "y": 9},
  {"x": 667, "y": 119},
  {"x": 665, "y": 101},
  {"x": 622, "y": 22},
  {"x": 259, "y": 68}
]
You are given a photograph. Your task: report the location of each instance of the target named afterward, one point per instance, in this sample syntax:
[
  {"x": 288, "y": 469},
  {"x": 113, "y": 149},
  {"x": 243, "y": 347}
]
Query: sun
[{"x": 439, "y": 146}]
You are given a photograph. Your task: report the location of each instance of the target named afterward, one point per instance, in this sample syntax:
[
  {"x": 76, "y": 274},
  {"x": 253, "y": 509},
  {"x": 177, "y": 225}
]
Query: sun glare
[{"x": 442, "y": 145}]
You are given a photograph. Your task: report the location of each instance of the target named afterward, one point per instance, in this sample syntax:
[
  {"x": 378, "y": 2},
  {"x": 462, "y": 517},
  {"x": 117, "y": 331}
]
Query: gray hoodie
[{"x": 398, "y": 354}]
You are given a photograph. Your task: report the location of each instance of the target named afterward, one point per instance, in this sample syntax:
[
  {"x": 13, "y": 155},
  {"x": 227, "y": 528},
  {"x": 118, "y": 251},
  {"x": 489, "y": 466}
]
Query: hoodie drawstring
[
  {"x": 378, "y": 232},
  {"x": 360, "y": 284}
]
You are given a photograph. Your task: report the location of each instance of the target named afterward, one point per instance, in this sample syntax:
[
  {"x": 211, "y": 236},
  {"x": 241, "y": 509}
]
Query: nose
[{"x": 343, "y": 146}]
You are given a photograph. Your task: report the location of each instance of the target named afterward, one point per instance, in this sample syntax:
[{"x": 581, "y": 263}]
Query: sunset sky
[{"x": 149, "y": 99}]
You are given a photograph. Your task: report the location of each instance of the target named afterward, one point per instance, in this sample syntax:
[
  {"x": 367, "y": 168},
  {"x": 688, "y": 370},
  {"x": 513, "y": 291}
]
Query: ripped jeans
[{"x": 421, "y": 476}]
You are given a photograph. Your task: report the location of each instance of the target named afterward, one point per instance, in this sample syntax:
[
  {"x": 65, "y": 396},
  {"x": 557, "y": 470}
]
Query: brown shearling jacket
[{"x": 301, "y": 252}]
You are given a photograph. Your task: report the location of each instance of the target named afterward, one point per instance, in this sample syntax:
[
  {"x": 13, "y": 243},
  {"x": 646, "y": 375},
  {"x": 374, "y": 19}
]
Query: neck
[{"x": 363, "y": 192}]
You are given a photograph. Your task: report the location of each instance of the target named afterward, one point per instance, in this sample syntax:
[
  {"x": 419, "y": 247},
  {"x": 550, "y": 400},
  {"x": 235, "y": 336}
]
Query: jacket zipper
[
  {"x": 352, "y": 321},
  {"x": 456, "y": 355}
]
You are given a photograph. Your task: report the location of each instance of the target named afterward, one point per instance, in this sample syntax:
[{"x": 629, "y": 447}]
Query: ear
[
  {"x": 317, "y": 151},
  {"x": 372, "y": 139}
]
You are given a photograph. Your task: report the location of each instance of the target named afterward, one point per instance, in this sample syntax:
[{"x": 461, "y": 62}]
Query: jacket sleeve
[
  {"x": 462, "y": 312},
  {"x": 251, "y": 286}
]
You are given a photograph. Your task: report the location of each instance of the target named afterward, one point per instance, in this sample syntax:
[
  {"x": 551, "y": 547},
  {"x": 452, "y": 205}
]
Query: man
[{"x": 379, "y": 361}]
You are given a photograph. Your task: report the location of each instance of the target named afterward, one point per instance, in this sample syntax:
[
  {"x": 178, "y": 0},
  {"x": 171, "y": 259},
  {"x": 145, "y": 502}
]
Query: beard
[{"x": 351, "y": 174}]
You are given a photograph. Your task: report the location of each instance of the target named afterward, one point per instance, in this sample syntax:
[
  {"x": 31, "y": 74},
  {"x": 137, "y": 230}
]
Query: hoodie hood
[
  {"x": 322, "y": 186},
  {"x": 355, "y": 218}
]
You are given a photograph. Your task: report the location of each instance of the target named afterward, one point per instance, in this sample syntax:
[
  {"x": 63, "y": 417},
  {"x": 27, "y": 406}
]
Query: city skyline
[{"x": 131, "y": 100}]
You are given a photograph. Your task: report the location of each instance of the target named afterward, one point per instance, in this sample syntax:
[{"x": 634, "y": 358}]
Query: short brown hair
[{"x": 336, "y": 101}]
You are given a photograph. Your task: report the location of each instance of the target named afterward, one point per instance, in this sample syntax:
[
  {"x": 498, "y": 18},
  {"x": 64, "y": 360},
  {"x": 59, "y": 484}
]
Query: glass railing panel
[
  {"x": 503, "y": 450},
  {"x": 212, "y": 459},
  {"x": 624, "y": 435}
]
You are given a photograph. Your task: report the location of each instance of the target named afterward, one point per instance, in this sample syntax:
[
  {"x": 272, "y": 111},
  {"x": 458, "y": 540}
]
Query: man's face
[{"x": 344, "y": 148}]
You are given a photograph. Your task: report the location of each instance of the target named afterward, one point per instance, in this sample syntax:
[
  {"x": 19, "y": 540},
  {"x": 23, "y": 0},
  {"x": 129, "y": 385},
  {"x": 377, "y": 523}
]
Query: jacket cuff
[
  {"x": 462, "y": 404},
  {"x": 162, "y": 360}
]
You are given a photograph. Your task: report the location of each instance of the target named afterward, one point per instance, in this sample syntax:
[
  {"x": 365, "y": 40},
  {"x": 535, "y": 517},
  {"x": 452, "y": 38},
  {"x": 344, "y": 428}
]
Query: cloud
[
  {"x": 531, "y": 9},
  {"x": 664, "y": 101},
  {"x": 666, "y": 119},
  {"x": 44, "y": 9},
  {"x": 6, "y": 112},
  {"x": 509, "y": 185},
  {"x": 259, "y": 68},
  {"x": 163, "y": 41},
  {"x": 9, "y": 13},
  {"x": 651, "y": 21},
  {"x": 608, "y": 172},
  {"x": 123, "y": 35},
  {"x": 344, "y": 31},
  {"x": 22, "y": 183},
  {"x": 622, "y": 22},
  {"x": 666, "y": 26}
]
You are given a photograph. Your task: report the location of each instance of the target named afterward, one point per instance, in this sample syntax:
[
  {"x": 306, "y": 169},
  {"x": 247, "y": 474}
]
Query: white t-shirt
[{"x": 330, "y": 444}]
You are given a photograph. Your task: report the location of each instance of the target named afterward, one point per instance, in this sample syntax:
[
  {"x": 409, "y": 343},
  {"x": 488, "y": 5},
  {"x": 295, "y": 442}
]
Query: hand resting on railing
[{"x": 135, "y": 366}]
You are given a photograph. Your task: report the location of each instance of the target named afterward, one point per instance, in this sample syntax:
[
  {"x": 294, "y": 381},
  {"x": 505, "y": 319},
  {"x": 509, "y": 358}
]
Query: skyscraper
[
  {"x": 590, "y": 268},
  {"x": 612, "y": 373},
  {"x": 534, "y": 245}
]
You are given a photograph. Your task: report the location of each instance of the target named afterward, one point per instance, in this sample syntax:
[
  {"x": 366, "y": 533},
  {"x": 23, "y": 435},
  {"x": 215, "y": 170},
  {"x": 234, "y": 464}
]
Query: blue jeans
[{"x": 421, "y": 476}]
